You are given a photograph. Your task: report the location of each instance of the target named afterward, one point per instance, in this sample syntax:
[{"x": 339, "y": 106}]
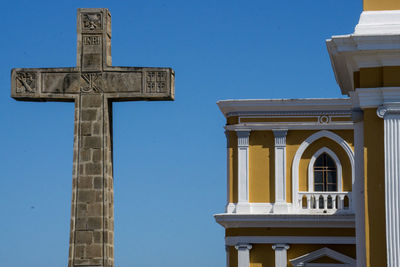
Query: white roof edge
[{"x": 283, "y": 105}]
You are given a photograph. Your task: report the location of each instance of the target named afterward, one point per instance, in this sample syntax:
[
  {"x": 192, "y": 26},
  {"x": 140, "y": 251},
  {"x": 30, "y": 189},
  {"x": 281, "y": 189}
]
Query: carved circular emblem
[{"x": 324, "y": 119}]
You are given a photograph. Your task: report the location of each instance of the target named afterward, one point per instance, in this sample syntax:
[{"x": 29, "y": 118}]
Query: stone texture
[{"x": 92, "y": 85}]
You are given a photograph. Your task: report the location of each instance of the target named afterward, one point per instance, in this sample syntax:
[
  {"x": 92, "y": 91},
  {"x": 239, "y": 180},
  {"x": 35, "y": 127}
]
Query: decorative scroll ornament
[
  {"x": 26, "y": 82},
  {"x": 91, "y": 82},
  {"x": 388, "y": 108}
]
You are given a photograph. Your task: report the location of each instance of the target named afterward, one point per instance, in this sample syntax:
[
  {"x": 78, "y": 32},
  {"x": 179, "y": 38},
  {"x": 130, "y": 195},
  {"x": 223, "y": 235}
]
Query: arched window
[{"x": 325, "y": 174}]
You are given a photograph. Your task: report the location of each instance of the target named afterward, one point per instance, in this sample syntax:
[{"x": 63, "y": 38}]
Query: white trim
[
  {"x": 304, "y": 261},
  {"x": 243, "y": 171},
  {"x": 280, "y": 254},
  {"x": 358, "y": 189},
  {"x": 348, "y": 125},
  {"x": 378, "y": 23},
  {"x": 254, "y": 208},
  {"x": 266, "y": 106},
  {"x": 311, "y": 169},
  {"x": 337, "y": 220},
  {"x": 280, "y": 205},
  {"x": 344, "y": 240},
  {"x": 303, "y": 147}
]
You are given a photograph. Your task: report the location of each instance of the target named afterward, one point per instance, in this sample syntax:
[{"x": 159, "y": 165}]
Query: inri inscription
[{"x": 93, "y": 84}]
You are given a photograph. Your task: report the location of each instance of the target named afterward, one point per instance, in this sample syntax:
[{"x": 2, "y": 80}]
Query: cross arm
[
  {"x": 138, "y": 83},
  {"x": 45, "y": 84}
]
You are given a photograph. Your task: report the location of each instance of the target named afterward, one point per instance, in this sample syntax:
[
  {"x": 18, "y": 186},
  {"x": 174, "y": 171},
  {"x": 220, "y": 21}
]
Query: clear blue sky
[{"x": 169, "y": 157}]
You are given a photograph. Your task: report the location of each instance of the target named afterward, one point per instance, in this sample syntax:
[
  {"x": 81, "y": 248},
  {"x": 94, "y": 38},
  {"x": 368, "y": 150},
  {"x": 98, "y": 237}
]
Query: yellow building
[{"x": 316, "y": 182}]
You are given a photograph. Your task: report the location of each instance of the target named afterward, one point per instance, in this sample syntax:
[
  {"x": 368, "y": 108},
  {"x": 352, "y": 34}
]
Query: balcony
[{"x": 325, "y": 202}]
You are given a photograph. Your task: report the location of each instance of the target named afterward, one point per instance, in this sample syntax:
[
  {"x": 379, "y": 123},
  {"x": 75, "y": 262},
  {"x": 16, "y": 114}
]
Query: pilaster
[
  {"x": 280, "y": 254},
  {"x": 243, "y": 254},
  {"x": 243, "y": 171},
  {"x": 391, "y": 115},
  {"x": 358, "y": 186},
  {"x": 280, "y": 205}
]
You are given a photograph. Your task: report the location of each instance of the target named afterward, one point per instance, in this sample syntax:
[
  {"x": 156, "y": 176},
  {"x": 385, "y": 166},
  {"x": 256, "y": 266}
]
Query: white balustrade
[{"x": 324, "y": 201}]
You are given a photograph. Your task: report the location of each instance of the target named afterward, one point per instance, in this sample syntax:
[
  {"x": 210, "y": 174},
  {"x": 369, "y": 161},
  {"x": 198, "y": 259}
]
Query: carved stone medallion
[
  {"x": 91, "y": 83},
  {"x": 26, "y": 82}
]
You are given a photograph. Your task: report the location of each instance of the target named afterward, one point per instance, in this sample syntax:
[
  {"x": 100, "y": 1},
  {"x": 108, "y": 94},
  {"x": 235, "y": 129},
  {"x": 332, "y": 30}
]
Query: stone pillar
[
  {"x": 280, "y": 254},
  {"x": 280, "y": 205},
  {"x": 391, "y": 115},
  {"x": 358, "y": 186},
  {"x": 243, "y": 254},
  {"x": 92, "y": 219},
  {"x": 243, "y": 205}
]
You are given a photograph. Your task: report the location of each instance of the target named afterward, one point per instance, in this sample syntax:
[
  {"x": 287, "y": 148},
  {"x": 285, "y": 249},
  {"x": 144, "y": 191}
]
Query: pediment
[{"x": 324, "y": 257}]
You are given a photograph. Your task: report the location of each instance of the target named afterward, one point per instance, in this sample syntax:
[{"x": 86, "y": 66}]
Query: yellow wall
[
  {"x": 374, "y": 189},
  {"x": 233, "y": 167},
  {"x": 377, "y": 77},
  {"x": 233, "y": 256},
  {"x": 262, "y": 255},
  {"x": 290, "y": 231},
  {"x": 371, "y": 5},
  {"x": 261, "y": 167}
]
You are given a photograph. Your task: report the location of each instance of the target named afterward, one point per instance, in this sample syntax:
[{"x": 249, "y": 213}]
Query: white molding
[
  {"x": 344, "y": 240},
  {"x": 292, "y": 126},
  {"x": 304, "y": 261},
  {"x": 280, "y": 254},
  {"x": 243, "y": 254},
  {"x": 280, "y": 205},
  {"x": 303, "y": 147},
  {"x": 254, "y": 208},
  {"x": 311, "y": 169},
  {"x": 374, "y": 97},
  {"x": 283, "y": 106},
  {"x": 227, "y": 166},
  {"x": 336, "y": 220},
  {"x": 243, "y": 171},
  {"x": 378, "y": 23}
]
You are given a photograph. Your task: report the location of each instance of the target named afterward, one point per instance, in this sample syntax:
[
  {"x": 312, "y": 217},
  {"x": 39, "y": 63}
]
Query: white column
[
  {"x": 243, "y": 205},
  {"x": 243, "y": 254},
  {"x": 280, "y": 205},
  {"x": 358, "y": 186},
  {"x": 391, "y": 115},
  {"x": 280, "y": 254}
]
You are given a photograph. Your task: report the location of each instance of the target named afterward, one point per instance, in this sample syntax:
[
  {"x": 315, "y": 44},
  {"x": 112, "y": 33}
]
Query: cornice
[
  {"x": 375, "y": 43},
  {"x": 283, "y": 220},
  {"x": 246, "y": 107}
]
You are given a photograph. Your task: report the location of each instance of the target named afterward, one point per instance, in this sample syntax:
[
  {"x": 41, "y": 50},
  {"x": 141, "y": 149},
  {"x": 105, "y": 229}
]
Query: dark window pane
[
  {"x": 331, "y": 177},
  {"x": 329, "y": 161},
  {"x": 318, "y": 177},
  {"x": 319, "y": 162},
  {"x": 332, "y": 187},
  {"x": 318, "y": 187}
]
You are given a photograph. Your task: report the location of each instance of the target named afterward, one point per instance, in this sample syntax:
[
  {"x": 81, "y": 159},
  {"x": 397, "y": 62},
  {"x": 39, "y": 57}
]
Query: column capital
[
  {"x": 280, "y": 137},
  {"x": 243, "y": 137},
  {"x": 243, "y": 246},
  {"x": 280, "y": 247},
  {"x": 388, "y": 108}
]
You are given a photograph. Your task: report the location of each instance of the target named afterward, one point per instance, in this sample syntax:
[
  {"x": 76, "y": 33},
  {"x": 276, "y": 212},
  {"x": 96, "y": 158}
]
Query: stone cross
[{"x": 93, "y": 85}]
